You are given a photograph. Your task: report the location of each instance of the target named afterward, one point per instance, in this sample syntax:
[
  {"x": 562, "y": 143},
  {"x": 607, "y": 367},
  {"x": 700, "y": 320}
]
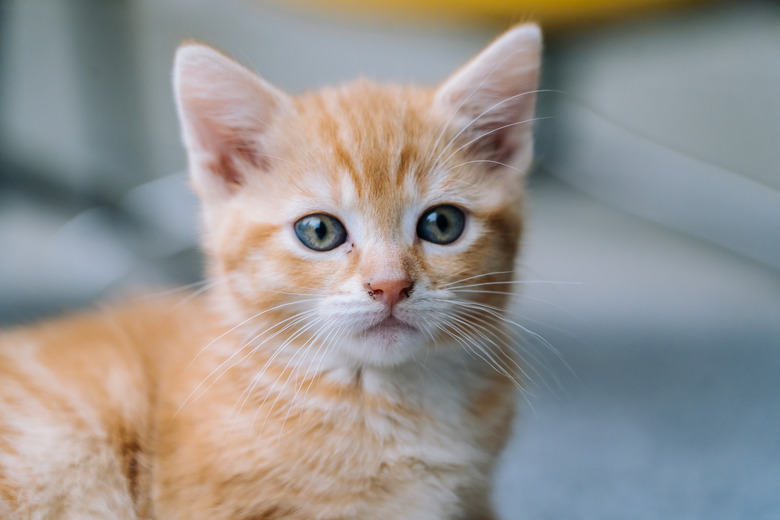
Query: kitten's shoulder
[
  {"x": 76, "y": 397},
  {"x": 136, "y": 318},
  {"x": 94, "y": 344}
]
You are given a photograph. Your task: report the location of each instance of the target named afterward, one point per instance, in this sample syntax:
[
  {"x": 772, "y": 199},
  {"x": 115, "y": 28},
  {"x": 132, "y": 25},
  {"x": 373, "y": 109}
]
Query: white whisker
[
  {"x": 492, "y": 131},
  {"x": 494, "y": 273},
  {"x": 515, "y": 282},
  {"x": 497, "y": 313},
  {"x": 299, "y": 317},
  {"x": 494, "y": 106},
  {"x": 314, "y": 339},
  {"x": 209, "y": 282},
  {"x": 509, "y": 341},
  {"x": 487, "y": 161},
  {"x": 273, "y": 385},
  {"x": 463, "y": 326},
  {"x": 277, "y": 351},
  {"x": 242, "y": 323}
]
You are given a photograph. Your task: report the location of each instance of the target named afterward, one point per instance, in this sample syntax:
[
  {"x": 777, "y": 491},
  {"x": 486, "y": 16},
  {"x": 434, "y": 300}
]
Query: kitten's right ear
[
  {"x": 493, "y": 96},
  {"x": 225, "y": 112}
]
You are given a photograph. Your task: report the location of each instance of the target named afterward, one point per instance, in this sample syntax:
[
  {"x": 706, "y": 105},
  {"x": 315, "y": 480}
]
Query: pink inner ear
[
  {"x": 231, "y": 147},
  {"x": 225, "y": 111},
  {"x": 494, "y": 97},
  {"x": 498, "y": 116},
  {"x": 496, "y": 141},
  {"x": 225, "y": 168},
  {"x": 228, "y": 143},
  {"x": 249, "y": 152},
  {"x": 230, "y": 158}
]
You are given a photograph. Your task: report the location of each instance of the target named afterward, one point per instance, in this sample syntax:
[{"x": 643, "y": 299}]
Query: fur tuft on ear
[
  {"x": 224, "y": 111},
  {"x": 491, "y": 99}
]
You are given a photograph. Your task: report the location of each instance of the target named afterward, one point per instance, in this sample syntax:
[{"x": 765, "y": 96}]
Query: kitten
[{"x": 350, "y": 359}]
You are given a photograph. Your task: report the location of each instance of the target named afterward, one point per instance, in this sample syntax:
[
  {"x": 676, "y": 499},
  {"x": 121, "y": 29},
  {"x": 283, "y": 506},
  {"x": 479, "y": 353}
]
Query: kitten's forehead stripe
[
  {"x": 376, "y": 137},
  {"x": 405, "y": 158},
  {"x": 334, "y": 139}
]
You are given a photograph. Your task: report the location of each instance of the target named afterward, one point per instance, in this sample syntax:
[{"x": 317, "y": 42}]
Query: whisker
[
  {"x": 208, "y": 282},
  {"x": 498, "y": 368},
  {"x": 241, "y": 324},
  {"x": 195, "y": 294},
  {"x": 487, "y": 161},
  {"x": 330, "y": 340},
  {"x": 292, "y": 293},
  {"x": 247, "y": 393},
  {"x": 299, "y": 317},
  {"x": 298, "y": 387},
  {"x": 273, "y": 385},
  {"x": 510, "y": 341},
  {"x": 455, "y": 323},
  {"x": 477, "y": 276},
  {"x": 492, "y": 131},
  {"x": 520, "y": 297},
  {"x": 497, "y": 313},
  {"x": 471, "y": 351},
  {"x": 477, "y": 291},
  {"x": 465, "y": 326},
  {"x": 515, "y": 282},
  {"x": 436, "y": 161}
]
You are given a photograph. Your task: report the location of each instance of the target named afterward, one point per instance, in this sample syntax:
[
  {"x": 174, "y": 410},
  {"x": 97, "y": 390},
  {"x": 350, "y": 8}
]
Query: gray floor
[
  {"x": 667, "y": 405},
  {"x": 653, "y": 232}
]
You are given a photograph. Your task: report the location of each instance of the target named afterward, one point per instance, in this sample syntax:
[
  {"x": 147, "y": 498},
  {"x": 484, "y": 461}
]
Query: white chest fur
[
  {"x": 410, "y": 449},
  {"x": 376, "y": 443}
]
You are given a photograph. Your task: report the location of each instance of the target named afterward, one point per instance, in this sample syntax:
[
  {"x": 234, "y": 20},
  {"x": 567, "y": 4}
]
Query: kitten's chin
[{"x": 387, "y": 343}]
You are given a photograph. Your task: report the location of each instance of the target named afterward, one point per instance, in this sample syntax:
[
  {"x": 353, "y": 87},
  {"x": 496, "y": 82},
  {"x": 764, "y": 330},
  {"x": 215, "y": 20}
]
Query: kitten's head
[{"x": 351, "y": 220}]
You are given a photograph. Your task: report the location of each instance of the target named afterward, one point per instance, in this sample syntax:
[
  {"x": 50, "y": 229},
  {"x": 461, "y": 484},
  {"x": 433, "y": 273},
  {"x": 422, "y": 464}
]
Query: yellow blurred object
[{"x": 549, "y": 12}]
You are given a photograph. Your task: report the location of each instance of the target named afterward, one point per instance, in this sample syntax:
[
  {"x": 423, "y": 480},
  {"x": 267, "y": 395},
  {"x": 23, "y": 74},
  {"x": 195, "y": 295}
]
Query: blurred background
[{"x": 653, "y": 230}]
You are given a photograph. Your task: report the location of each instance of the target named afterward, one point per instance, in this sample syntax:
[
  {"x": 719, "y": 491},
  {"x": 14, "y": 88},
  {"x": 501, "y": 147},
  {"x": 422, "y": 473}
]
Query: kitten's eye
[
  {"x": 441, "y": 224},
  {"x": 320, "y": 232}
]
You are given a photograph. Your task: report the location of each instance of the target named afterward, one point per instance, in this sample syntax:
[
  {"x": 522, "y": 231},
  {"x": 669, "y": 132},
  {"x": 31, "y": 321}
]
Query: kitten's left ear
[
  {"x": 491, "y": 99},
  {"x": 225, "y": 112}
]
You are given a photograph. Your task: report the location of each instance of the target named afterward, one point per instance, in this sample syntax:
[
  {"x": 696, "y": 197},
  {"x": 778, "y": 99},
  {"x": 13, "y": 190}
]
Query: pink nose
[{"x": 390, "y": 291}]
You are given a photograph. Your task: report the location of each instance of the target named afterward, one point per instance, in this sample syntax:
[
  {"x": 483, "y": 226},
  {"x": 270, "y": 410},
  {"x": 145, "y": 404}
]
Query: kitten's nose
[{"x": 390, "y": 292}]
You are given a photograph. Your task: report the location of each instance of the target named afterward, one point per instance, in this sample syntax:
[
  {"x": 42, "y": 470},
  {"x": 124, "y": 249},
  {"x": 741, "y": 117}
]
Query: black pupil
[
  {"x": 321, "y": 230},
  {"x": 442, "y": 222}
]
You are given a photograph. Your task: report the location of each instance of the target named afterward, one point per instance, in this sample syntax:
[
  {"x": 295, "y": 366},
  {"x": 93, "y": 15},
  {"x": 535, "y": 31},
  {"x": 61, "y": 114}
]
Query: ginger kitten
[{"x": 350, "y": 360}]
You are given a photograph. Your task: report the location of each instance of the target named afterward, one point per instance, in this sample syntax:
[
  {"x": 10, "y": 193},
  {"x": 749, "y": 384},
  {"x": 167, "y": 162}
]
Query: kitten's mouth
[
  {"x": 390, "y": 325},
  {"x": 386, "y": 342}
]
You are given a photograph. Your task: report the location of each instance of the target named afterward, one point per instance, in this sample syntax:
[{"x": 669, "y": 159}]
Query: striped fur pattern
[{"x": 372, "y": 379}]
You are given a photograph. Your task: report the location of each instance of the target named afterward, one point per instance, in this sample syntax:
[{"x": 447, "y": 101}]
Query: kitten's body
[
  {"x": 94, "y": 401},
  {"x": 349, "y": 383}
]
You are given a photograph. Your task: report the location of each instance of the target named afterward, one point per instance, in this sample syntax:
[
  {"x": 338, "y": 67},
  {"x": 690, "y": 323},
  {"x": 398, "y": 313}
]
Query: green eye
[
  {"x": 320, "y": 232},
  {"x": 441, "y": 224}
]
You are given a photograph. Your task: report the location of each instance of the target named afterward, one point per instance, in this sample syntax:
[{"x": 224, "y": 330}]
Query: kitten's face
[{"x": 344, "y": 222}]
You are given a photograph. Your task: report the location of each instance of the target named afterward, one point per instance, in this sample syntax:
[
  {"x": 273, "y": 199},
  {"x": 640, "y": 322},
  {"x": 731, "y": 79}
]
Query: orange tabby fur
[{"x": 264, "y": 400}]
